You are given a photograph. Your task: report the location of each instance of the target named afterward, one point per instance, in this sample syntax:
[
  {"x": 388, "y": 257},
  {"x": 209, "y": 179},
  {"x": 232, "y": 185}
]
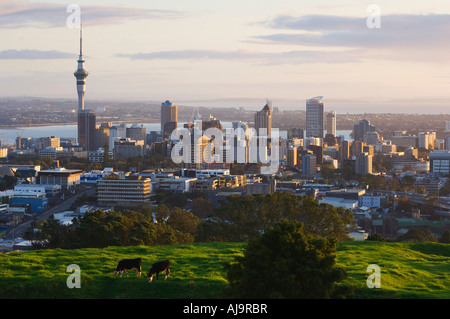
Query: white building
[
  {"x": 177, "y": 184},
  {"x": 340, "y": 202},
  {"x": 372, "y": 200}
]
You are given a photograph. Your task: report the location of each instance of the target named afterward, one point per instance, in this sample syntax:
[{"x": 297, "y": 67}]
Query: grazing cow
[
  {"x": 158, "y": 267},
  {"x": 129, "y": 264}
]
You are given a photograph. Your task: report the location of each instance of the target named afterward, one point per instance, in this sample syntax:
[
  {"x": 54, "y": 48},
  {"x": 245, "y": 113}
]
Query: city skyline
[{"x": 249, "y": 52}]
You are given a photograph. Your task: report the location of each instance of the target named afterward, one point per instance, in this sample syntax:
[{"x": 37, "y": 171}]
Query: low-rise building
[
  {"x": 262, "y": 188},
  {"x": 372, "y": 200},
  {"x": 339, "y": 202},
  {"x": 178, "y": 184},
  {"x": 123, "y": 190},
  {"x": 67, "y": 178},
  {"x": 440, "y": 162},
  {"x": 37, "y": 202}
]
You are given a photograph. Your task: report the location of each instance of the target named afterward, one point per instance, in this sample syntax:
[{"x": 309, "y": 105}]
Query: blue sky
[{"x": 232, "y": 52}]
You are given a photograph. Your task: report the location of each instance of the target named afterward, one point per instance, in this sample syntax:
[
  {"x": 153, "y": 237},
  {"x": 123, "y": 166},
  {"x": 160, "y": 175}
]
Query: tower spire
[
  {"x": 81, "y": 36},
  {"x": 81, "y": 73}
]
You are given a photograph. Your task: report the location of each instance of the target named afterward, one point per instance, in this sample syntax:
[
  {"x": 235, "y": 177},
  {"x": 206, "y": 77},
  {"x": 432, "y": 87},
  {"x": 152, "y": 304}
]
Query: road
[{"x": 20, "y": 229}]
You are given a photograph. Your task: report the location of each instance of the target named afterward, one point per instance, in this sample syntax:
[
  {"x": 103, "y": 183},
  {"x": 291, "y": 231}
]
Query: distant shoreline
[{"x": 16, "y": 126}]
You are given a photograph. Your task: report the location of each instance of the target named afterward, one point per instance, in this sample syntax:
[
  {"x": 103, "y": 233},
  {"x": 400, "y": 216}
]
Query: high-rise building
[
  {"x": 314, "y": 117},
  {"x": 345, "y": 150},
  {"x": 87, "y": 130},
  {"x": 363, "y": 164},
  {"x": 427, "y": 140},
  {"x": 49, "y": 141},
  {"x": 169, "y": 118},
  {"x": 359, "y": 130},
  {"x": 291, "y": 157},
  {"x": 308, "y": 164},
  {"x": 136, "y": 132},
  {"x": 126, "y": 148},
  {"x": 331, "y": 123},
  {"x": 295, "y": 132},
  {"x": 263, "y": 120},
  {"x": 103, "y": 136}
]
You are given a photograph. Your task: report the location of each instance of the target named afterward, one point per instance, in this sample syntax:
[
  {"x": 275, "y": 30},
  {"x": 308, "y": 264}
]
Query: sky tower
[
  {"x": 86, "y": 118},
  {"x": 81, "y": 75}
]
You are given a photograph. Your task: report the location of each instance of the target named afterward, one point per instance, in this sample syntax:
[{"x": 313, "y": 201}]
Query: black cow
[
  {"x": 158, "y": 267},
  {"x": 128, "y": 264}
]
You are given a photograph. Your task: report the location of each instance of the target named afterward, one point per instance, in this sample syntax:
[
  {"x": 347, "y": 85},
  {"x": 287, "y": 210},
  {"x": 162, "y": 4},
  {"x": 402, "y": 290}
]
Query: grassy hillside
[{"x": 408, "y": 270}]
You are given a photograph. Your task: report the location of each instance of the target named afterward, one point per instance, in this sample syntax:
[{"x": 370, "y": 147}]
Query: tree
[
  {"x": 286, "y": 262},
  {"x": 416, "y": 234},
  {"x": 201, "y": 207},
  {"x": 445, "y": 238},
  {"x": 375, "y": 237}
]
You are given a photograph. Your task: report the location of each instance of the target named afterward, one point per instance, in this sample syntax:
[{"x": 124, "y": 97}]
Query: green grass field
[{"x": 408, "y": 270}]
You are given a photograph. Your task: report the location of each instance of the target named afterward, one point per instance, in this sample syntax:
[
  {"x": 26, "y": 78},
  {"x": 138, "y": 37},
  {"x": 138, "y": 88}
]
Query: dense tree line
[
  {"x": 241, "y": 218},
  {"x": 97, "y": 229},
  {"x": 237, "y": 219}
]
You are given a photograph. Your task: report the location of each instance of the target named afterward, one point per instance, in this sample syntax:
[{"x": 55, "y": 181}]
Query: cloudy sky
[{"x": 215, "y": 52}]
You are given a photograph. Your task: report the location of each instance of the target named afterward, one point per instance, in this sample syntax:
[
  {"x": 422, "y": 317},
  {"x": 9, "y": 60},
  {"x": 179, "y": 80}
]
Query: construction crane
[{"x": 19, "y": 142}]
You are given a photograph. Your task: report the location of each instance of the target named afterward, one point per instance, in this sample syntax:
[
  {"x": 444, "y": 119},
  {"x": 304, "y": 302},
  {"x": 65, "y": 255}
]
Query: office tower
[
  {"x": 371, "y": 138},
  {"x": 103, "y": 136},
  {"x": 87, "y": 130},
  {"x": 357, "y": 148},
  {"x": 345, "y": 150},
  {"x": 50, "y": 141},
  {"x": 314, "y": 117},
  {"x": 363, "y": 164},
  {"x": 308, "y": 164},
  {"x": 211, "y": 122},
  {"x": 126, "y": 148},
  {"x": 169, "y": 118},
  {"x": 123, "y": 191},
  {"x": 427, "y": 140},
  {"x": 136, "y": 132},
  {"x": 318, "y": 152},
  {"x": 447, "y": 126},
  {"x": 291, "y": 157},
  {"x": 359, "y": 130},
  {"x": 263, "y": 120},
  {"x": 331, "y": 123},
  {"x": 294, "y": 133}
]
